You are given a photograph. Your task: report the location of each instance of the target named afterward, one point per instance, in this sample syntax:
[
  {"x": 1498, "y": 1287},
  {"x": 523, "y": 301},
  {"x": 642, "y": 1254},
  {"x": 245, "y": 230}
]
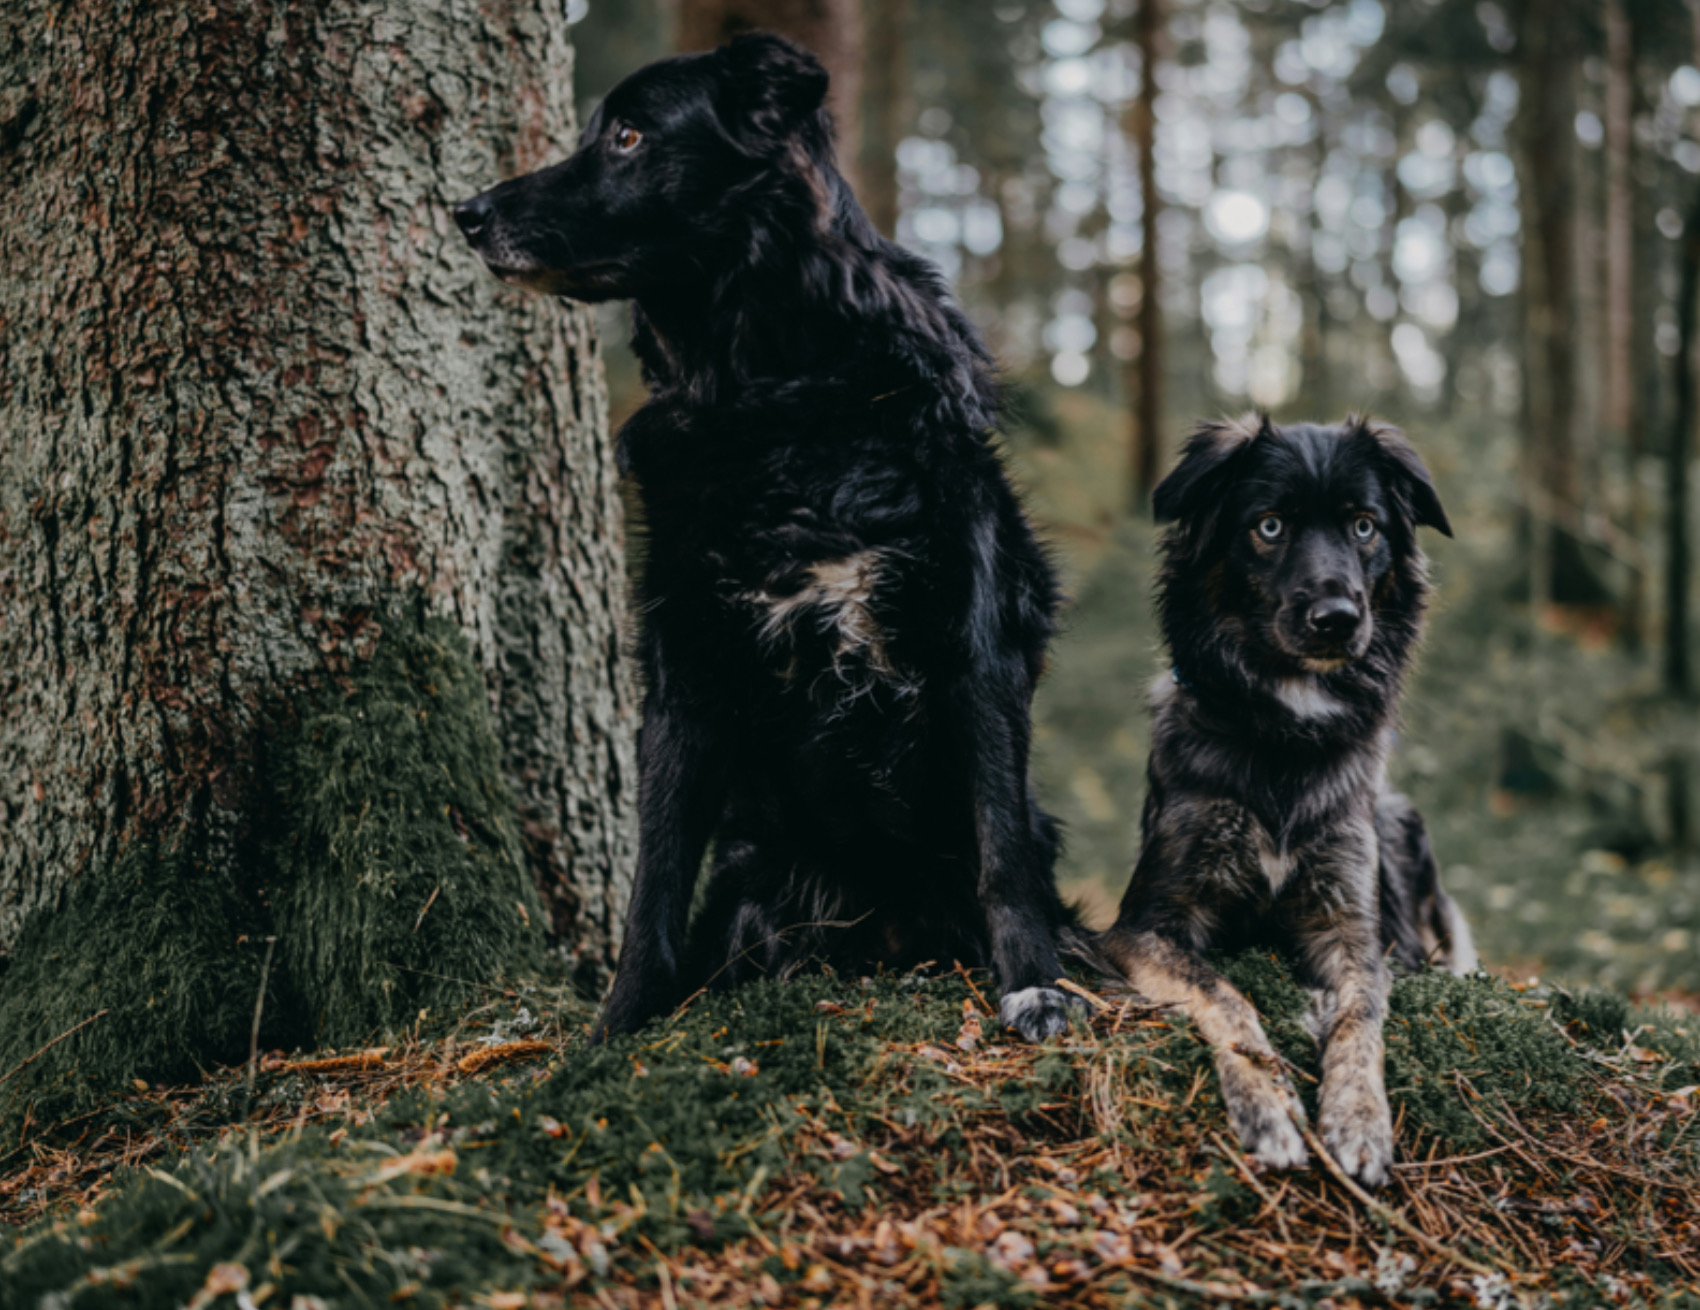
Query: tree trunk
[
  {"x": 1551, "y": 53},
  {"x": 830, "y": 29},
  {"x": 1146, "y": 447},
  {"x": 886, "y": 109},
  {"x": 1622, "y": 406},
  {"x": 310, "y": 565},
  {"x": 1678, "y": 661}
]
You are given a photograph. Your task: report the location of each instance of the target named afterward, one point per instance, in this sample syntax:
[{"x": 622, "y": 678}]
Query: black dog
[
  {"x": 1292, "y": 598},
  {"x": 845, "y": 610}
]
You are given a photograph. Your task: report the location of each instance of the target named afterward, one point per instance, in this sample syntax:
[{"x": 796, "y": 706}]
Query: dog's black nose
[
  {"x": 473, "y": 216},
  {"x": 1334, "y": 617}
]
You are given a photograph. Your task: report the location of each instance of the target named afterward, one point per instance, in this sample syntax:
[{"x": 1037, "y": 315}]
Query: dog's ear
[
  {"x": 1193, "y": 490},
  {"x": 1410, "y": 476},
  {"x": 771, "y": 84}
]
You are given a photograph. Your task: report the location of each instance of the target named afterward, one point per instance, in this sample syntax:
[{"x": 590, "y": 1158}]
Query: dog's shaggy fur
[
  {"x": 1292, "y": 597},
  {"x": 844, "y": 608}
]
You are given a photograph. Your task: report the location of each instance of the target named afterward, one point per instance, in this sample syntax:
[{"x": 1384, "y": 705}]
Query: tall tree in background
[
  {"x": 1147, "y": 365},
  {"x": 1550, "y": 45},
  {"x": 1622, "y": 392},
  {"x": 886, "y": 108},
  {"x": 1678, "y": 660},
  {"x": 830, "y": 29},
  {"x": 310, "y": 567}
]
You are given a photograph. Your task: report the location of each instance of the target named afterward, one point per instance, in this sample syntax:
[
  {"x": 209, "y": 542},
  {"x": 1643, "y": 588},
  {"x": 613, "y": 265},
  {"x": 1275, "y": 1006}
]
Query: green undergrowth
[
  {"x": 679, "y": 1137},
  {"x": 384, "y": 875}
]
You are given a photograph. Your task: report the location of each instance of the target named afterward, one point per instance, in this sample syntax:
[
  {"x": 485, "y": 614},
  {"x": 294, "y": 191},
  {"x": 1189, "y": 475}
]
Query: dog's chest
[
  {"x": 1275, "y": 864},
  {"x": 825, "y": 626}
]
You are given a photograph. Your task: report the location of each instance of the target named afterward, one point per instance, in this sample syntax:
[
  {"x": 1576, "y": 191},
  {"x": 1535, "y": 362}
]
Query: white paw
[
  {"x": 1278, "y": 1144},
  {"x": 1038, "y": 1012},
  {"x": 1266, "y": 1115},
  {"x": 1361, "y": 1143}
]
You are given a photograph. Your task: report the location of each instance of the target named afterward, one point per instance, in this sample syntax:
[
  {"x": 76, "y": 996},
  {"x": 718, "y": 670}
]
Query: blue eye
[
  {"x": 1363, "y": 527},
  {"x": 1270, "y": 527}
]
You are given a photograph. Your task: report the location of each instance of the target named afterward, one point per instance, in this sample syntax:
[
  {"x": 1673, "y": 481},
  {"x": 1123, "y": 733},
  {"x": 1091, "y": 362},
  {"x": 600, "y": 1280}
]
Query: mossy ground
[
  {"x": 835, "y": 1141},
  {"x": 384, "y": 875}
]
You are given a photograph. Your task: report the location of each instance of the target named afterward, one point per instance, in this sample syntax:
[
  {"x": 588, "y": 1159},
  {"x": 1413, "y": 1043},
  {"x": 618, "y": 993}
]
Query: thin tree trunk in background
[
  {"x": 261, "y": 415},
  {"x": 1314, "y": 380},
  {"x": 830, "y": 29},
  {"x": 1546, "y": 121},
  {"x": 1622, "y": 392},
  {"x": 1146, "y": 446},
  {"x": 1678, "y": 662},
  {"x": 886, "y": 108}
]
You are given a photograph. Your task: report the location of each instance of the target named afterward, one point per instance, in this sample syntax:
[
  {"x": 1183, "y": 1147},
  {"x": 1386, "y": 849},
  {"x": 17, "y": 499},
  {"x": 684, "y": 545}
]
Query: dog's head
[
  {"x": 1304, "y": 533},
  {"x": 667, "y": 166}
]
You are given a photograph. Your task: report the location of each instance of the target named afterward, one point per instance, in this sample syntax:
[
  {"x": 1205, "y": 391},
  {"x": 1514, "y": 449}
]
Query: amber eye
[
  {"x": 1363, "y": 527},
  {"x": 1270, "y": 527},
  {"x": 626, "y": 139}
]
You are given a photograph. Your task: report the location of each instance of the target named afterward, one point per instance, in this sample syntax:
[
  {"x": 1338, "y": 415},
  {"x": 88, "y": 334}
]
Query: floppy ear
[
  {"x": 772, "y": 85},
  {"x": 1192, "y": 491},
  {"x": 1410, "y": 475}
]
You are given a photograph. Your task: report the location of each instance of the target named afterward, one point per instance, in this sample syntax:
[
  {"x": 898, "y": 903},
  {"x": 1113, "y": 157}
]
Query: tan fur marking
[{"x": 842, "y": 591}]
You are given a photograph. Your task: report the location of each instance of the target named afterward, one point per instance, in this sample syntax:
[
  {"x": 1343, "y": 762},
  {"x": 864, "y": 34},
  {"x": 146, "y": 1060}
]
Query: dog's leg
[
  {"x": 680, "y": 793},
  {"x": 1337, "y": 923},
  {"x": 1016, "y": 849},
  {"x": 1261, "y": 1103}
]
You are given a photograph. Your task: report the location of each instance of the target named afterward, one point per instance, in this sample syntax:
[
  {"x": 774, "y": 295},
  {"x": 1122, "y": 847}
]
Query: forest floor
[{"x": 859, "y": 1142}]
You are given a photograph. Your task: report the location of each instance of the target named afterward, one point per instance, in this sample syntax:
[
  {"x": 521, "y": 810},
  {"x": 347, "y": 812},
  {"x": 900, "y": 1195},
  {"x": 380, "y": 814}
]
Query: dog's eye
[
  {"x": 1270, "y": 527},
  {"x": 626, "y": 139},
  {"x": 1363, "y": 527}
]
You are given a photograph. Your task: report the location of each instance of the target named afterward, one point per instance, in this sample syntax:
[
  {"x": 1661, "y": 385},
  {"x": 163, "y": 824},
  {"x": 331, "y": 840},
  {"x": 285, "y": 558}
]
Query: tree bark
[
  {"x": 279, "y": 465},
  {"x": 830, "y": 29}
]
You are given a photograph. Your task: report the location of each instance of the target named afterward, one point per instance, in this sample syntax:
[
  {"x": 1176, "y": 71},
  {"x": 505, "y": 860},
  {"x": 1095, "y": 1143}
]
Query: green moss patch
[
  {"x": 148, "y": 969},
  {"x": 385, "y": 876},
  {"x": 394, "y": 862}
]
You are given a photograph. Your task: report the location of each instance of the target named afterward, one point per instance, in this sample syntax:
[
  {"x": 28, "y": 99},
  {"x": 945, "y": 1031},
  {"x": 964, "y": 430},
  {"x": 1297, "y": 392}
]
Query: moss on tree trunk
[{"x": 311, "y": 593}]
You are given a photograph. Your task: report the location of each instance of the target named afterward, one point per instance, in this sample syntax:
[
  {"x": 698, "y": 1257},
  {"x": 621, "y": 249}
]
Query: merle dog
[
  {"x": 1292, "y": 596},
  {"x": 844, "y": 608}
]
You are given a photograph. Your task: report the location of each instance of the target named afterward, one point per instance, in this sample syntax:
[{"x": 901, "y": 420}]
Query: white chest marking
[
  {"x": 1305, "y": 699},
  {"x": 1277, "y": 866}
]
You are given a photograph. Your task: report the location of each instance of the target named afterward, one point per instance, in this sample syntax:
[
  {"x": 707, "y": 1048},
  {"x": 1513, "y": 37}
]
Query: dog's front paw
[
  {"x": 1039, "y": 1012},
  {"x": 1359, "y": 1135},
  {"x": 1265, "y": 1113}
]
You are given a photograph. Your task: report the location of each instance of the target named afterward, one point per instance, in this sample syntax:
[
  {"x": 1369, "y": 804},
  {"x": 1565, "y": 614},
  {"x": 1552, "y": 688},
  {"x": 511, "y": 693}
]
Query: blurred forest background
[{"x": 1480, "y": 220}]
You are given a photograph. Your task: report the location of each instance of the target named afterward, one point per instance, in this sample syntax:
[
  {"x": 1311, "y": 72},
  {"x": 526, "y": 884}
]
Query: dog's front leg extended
[
  {"x": 1015, "y": 861},
  {"x": 1261, "y": 1104},
  {"x": 680, "y": 793},
  {"x": 1339, "y": 933}
]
